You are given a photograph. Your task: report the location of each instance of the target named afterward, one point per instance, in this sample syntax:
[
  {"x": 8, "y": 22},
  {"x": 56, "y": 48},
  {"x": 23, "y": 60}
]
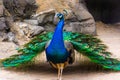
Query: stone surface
[
  {"x": 78, "y": 19},
  {"x": 35, "y": 30},
  {"x": 88, "y": 28},
  {"x": 24, "y": 30},
  {"x": 58, "y": 5},
  {"x": 78, "y": 14},
  {"x": 85, "y": 22},
  {"x": 45, "y": 16},
  {"x": 2, "y": 22},
  {"x": 2, "y": 19},
  {"x": 20, "y": 9},
  {"x": 49, "y": 27},
  {"x": 31, "y": 21},
  {"x": 1, "y": 10},
  {"x": 10, "y": 37}
]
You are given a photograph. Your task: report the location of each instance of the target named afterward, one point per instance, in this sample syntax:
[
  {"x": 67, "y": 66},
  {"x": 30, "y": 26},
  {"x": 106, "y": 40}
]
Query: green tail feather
[
  {"x": 85, "y": 44},
  {"x": 93, "y": 49},
  {"x": 28, "y": 52}
]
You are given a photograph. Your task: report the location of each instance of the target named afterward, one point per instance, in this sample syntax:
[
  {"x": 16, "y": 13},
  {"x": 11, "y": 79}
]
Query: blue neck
[
  {"x": 57, "y": 40},
  {"x": 56, "y": 51}
]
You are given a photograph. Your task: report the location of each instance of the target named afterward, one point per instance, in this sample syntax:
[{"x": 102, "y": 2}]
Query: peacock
[{"x": 59, "y": 47}]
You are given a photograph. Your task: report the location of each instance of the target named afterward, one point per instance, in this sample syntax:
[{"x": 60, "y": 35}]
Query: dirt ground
[{"x": 109, "y": 34}]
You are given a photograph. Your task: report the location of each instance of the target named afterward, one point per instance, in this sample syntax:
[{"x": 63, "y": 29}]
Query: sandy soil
[{"x": 109, "y": 34}]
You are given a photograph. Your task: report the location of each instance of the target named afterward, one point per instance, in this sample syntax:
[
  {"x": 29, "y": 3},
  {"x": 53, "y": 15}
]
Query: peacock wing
[
  {"x": 28, "y": 51},
  {"x": 93, "y": 48}
]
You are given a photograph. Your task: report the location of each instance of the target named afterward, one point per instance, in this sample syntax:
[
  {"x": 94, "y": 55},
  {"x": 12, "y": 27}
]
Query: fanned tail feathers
[
  {"x": 96, "y": 51},
  {"x": 28, "y": 52},
  {"x": 87, "y": 45}
]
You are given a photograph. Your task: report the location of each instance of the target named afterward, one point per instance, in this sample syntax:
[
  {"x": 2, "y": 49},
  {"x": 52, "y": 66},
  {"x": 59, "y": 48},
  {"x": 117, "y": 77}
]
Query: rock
[
  {"x": 85, "y": 21},
  {"x": 20, "y": 9},
  {"x": 2, "y": 24},
  {"x": 3, "y": 28},
  {"x": 1, "y": 10},
  {"x": 78, "y": 15},
  {"x": 58, "y": 5},
  {"x": 45, "y": 16},
  {"x": 10, "y": 37},
  {"x": 31, "y": 21},
  {"x": 49, "y": 27},
  {"x": 2, "y": 35},
  {"x": 78, "y": 19},
  {"x": 2, "y": 19},
  {"x": 25, "y": 31},
  {"x": 80, "y": 27},
  {"x": 35, "y": 30}
]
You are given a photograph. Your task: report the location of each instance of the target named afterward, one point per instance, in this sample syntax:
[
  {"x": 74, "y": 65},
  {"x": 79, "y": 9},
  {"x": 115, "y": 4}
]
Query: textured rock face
[
  {"x": 20, "y": 9},
  {"x": 25, "y": 30},
  {"x": 3, "y": 26},
  {"x": 78, "y": 19},
  {"x": 78, "y": 14}
]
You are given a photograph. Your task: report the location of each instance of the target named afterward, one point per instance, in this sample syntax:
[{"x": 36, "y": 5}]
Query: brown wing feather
[{"x": 70, "y": 49}]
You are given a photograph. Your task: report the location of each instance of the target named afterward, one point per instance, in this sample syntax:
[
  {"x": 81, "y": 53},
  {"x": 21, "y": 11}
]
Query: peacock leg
[
  {"x": 60, "y": 71},
  {"x": 58, "y": 74}
]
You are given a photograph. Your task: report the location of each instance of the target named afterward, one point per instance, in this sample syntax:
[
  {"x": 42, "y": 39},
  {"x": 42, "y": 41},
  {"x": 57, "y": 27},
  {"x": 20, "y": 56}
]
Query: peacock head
[{"x": 60, "y": 16}]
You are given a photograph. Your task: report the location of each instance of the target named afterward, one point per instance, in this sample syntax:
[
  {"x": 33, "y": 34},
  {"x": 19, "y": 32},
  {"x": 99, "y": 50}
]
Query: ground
[{"x": 109, "y": 34}]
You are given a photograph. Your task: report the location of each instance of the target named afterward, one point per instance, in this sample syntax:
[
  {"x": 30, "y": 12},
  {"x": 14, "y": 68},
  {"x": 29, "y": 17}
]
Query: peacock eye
[{"x": 60, "y": 16}]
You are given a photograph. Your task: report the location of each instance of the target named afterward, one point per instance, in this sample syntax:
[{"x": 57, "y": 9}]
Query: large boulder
[
  {"x": 20, "y": 9},
  {"x": 25, "y": 30},
  {"x": 3, "y": 26},
  {"x": 78, "y": 16}
]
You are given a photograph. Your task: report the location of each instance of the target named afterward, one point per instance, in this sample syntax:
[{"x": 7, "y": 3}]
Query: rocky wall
[{"x": 27, "y": 18}]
